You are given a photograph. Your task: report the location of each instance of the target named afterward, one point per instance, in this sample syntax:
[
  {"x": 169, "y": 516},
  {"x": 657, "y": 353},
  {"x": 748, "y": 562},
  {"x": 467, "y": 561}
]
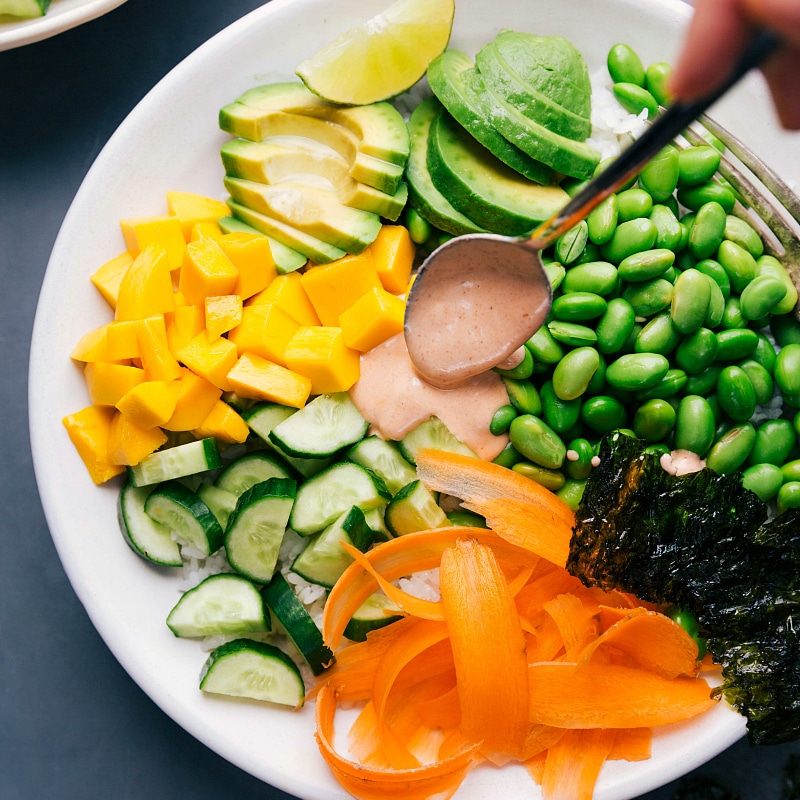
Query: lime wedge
[{"x": 383, "y": 57}]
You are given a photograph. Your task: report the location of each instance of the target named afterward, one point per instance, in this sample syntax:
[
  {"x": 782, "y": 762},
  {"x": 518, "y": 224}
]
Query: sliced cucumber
[
  {"x": 432, "y": 433},
  {"x": 176, "y": 462},
  {"x": 297, "y": 623},
  {"x": 323, "y": 427},
  {"x": 323, "y": 498},
  {"x": 221, "y": 502},
  {"x": 247, "y": 471},
  {"x": 324, "y": 560},
  {"x": 376, "y": 612},
  {"x": 220, "y": 605},
  {"x": 257, "y": 526},
  {"x": 260, "y": 671},
  {"x": 414, "y": 508},
  {"x": 374, "y": 518},
  {"x": 145, "y": 536},
  {"x": 186, "y": 515},
  {"x": 385, "y": 460}
]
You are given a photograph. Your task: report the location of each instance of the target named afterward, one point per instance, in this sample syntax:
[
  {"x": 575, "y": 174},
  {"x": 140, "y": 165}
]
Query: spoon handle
[{"x": 667, "y": 126}]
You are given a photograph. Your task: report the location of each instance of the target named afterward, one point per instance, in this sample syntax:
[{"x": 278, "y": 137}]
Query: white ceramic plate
[
  {"x": 61, "y": 16},
  {"x": 170, "y": 141}
]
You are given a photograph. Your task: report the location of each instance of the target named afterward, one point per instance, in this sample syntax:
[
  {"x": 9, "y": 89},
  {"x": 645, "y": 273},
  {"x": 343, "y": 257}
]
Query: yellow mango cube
[
  {"x": 319, "y": 353},
  {"x": 372, "y": 319},
  {"x": 93, "y": 346},
  {"x": 196, "y": 399},
  {"x": 224, "y": 424},
  {"x": 157, "y": 359},
  {"x": 108, "y": 277},
  {"x": 259, "y": 379},
  {"x": 265, "y": 330},
  {"x": 165, "y": 231},
  {"x": 332, "y": 288},
  {"x": 150, "y": 403},
  {"x": 222, "y": 313},
  {"x": 88, "y": 431},
  {"x": 393, "y": 256},
  {"x": 206, "y": 272},
  {"x": 192, "y": 209},
  {"x": 205, "y": 230},
  {"x": 108, "y": 382},
  {"x": 211, "y": 359},
  {"x": 146, "y": 288},
  {"x": 183, "y": 324},
  {"x": 123, "y": 339},
  {"x": 287, "y": 292},
  {"x": 252, "y": 257},
  {"x": 129, "y": 443}
]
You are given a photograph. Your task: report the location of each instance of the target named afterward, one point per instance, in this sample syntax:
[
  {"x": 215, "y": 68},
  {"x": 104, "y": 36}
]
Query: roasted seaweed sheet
[{"x": 706, "y": 544}]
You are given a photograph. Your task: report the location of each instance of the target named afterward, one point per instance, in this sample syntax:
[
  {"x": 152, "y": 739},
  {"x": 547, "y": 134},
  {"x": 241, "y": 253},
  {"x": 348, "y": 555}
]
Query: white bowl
[
  {"x": 61, "y": 16},
  {"x": 171, "y": 142}
]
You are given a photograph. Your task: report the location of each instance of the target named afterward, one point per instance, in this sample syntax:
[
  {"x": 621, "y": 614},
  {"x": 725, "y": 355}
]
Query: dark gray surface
[{"x": 73, "y": 725}]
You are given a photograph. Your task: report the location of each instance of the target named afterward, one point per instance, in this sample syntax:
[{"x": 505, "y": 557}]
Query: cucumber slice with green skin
[
  {"x": 176, "y": 462},
  {"x": 220, "y": 605},
  {"x": 247, "y": 471},
  {"x": 385, "y": 460},
  {"x": 433, "y": 434},
  {"x": 220, "y": 502},
  {"x": 286, "y": 259},
  {"x": 186, "y": 515},
  {"x": 146, "y": 537},
  {"x": 374, "y": 613},
  {"x": 414, "y": 508},
  {"x": 323, "y": 427},
  {"x": 323, "y": 498},
  {"x": 297, "y": 623},
  {"x": 260, "y": 671},
  {"x": 458, "y": 85},
  {"x": 324, "y": 559},
  {"x": 374, "y": 518},
  {"x": 257, "y": 526}
]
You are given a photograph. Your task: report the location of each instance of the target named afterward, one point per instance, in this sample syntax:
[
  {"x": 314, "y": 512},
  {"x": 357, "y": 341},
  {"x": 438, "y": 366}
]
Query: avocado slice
[
  {"x": 380, "y": 128},
  {"x": 503, "y": 80},
  {"x": 423, "y": 196},
  {"x": 458, "y": 86},
  {"x": 286, "y": 259},
  {"x": 313, "y": 210},
  {"x": 312, "y": 248},
  {"x": 482, "y": 187}
]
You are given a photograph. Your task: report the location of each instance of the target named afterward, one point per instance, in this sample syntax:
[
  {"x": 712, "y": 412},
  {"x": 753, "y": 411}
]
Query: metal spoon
[{"x": 458, "y": 324}]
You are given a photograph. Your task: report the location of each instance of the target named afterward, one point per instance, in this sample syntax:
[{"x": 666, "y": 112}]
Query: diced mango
[
  {"x": 372, "y": 319},
  {"x": 222, "y": 312},
  {"x": 212, "y": 359},
  {"x": 123, "y": 339},
  {"x": 165, "y": 231},
  {"x": 191, "y": 209},
  {"x": 265, "y": 330},
  {"x": 259, "y": 379},
  {"x": 150, "y": 403},
  {"x": 157, "y": 359},
  {"x": 88, "y": 431},
  {"x": 224, "y": 424},
  {"x": 108, "y": 277},
  {"x": 146, "y": 288},
  {"x": 332, "y": 288},
  {"x": 205, "y": 230},
  {"x": 319, "y": 353},
  {"x": 195, "y": 401},
  {"x": 93, "y": 346},
  {"x": 129, "y": 443},
  {"x": 251, "y": 255},
  {"x": 183, "y": 325},
  {"x": 287, "y": 292},
  {"x": 108, "y": 382},
  {"x": 206, "y": 272},
  {"x": 393, "y": 255}
]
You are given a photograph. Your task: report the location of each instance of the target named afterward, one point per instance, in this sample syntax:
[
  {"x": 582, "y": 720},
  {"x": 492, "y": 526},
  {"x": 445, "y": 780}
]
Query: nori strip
[
  {"x": 696, "y": 787},
  {"x": 704, "y": 543}
]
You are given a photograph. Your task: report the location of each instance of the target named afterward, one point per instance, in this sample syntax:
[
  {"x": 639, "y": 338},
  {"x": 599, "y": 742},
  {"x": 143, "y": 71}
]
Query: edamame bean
[
  {"x": 653, "y": 420},
  {"x": 787, "y": 369},
  {"x": 544, "y": 347},
  {"x": 571, "y": 333},
  {"x": 590, "y": 252},
  {"x": 578, "y": 306},
  {"x": 785, "y": 329},
  {"x": 715, "y": 271},
  {"x": 523, "y": 396},
  {"x": 738, "y": 263},
  {"x": 732, "y": 449},
  {"x": 598, "y": 382},
  {"x": 668, "y": 228},
  {"x": 555, "y": 274},
  {"x": 697, "y": 351},
  {"x": 708, "y": 230},
  {"x": 573, "y": 373},
  {"x": 599, "y": 277},
  {"x": 789, "y": 496},
  {"x": 624, "y": 65},
  {"x": 602, "y": 220},
  {"x": 764, "y": 353},
  {"x": 521, "y": 371},
  {"x": 537, "y": 442},
  {"x": 570, "y": 244},
  {"x": 419, "y": 229},
  {"x": 697, "y": 165},
  {"x": 659, "y": 177},
  {"x": 763, "y": 384},
  {"x": 632, "y": 204},
  {"x": 744, "y": 234},
  {"x": 649, "y": 297},
  {"x": 656, "y": 80},
  {"x": 551, "y": 479},
  {"x": 508, "y": 456},
  {"x": 603, "y": 414},
  {"x": 659, "y": 335},
  {"x": 705, "y": 382},
  {"x": 501, "y": 419},
  {"x": 559, "y": 413},
  {"x": 736, "y": 344},
  {"x": 763, "y": 479},
  {"x": 716, "y": 305},
  {"x": 769, "y": 265},
  {"x": 646, "y": 265},
  {"x": 761, "y": 296},
  {"x": 629, "y": 238},
  {"x": 774, "y": 441},
  {"x": 690, "y": 299},
  {"x": 635, "y": 99},
  {"x": 694, "y": 424},
  {"x": 736, "y": 394},
  {"x": 578, "y": 463},
  {"x": 693, "y": 197},
  {"x": 666, "y": 388},
  {"x": 732, "y": 318},
  {"x": 637, "y": 371},
  {"x": 572, "y": 493},
  {"x": 791, "y": 470}
]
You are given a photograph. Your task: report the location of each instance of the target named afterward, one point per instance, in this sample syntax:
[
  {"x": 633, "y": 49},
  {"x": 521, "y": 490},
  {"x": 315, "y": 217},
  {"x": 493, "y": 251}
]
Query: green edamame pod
[
  {"x": 573, "y": 373},
  {"x": 598, "y": 277},
  {"x": 579, "y": 457},
  {"x": 744, "y": 234},
  {"x": 572, "y": 493},
  {"x": 697, "y": 351},
  {"x": 649, "y": 297},
  {"x": 787, "y": 369},
  {"x": 788, "y": 496},
  {"x": 761, "y": 296},
  {"x": 693, "y": 197},
  {"x": 603, "y": 414},
  {"x": 521, "y": 371},
  {"x": 559, "y": 413},
  {"x": 537, "y": 442},
  {"x": 708, "y": 230},
  {"x": 669, "y": 386},
  {"x": 570, "y": 244},
  {"x": 571, "y": 333},
  {"x": 659, "y": 335},
  {"x": 736, "y": 394},
  {"x": 659, "y": 177},
  {"x": 736, "y": 343},
  {"x": 551, "y": 479},
  {"x": 635, "y": 99},
  {"x": 544, "y": 347},
  {"x": 668, "y": 228},
  {"x": 770, "y": 266},
  {"x": 774, "y": 441},
  {"x": 602, "y": 220},
  {"x": 697, "y": 165},
  {"x": 578, "y": 306},
  {"x": 731, "y": 451},
  {"x": 690, "y": 299},
  {"x": 694, "y": 424},
  {"x": 738, "y": 263},
  {"x": 635, "y": 371},
  {"x": 624, "y": 65},
  {"x": 646, "y": 265},
  {"x": 656, "y": 80},
  {"x": 653, "y": 420},
  {"x": 629, "y": 238},
  {"x": 763, "y": 479},
  {"x": 523, "y": 396},
  {"x": 715, "y": 270},
  {"x": 632, "y": 204},
  {"x": 501, "y": 419}
]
